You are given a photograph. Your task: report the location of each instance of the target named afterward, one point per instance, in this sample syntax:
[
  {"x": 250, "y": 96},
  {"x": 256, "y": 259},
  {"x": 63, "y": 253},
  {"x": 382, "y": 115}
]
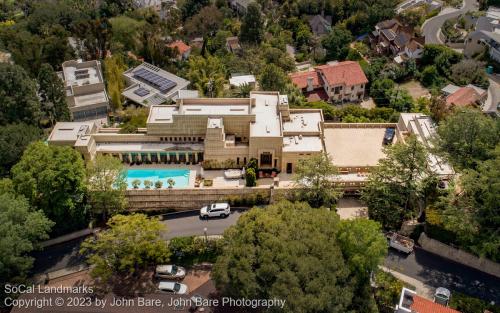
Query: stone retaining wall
[{"x": 459, "y": 256}]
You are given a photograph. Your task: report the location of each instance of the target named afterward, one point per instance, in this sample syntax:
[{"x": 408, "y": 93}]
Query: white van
[{"x": 215, "y": 210}]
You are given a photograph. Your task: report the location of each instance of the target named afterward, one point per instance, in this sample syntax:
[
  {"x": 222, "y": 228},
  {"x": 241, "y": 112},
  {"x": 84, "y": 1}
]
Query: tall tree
[
  {"x": 52, "y": 95},
  {"x": 398, "y": 187},
  {"x": 14, "y": 138},
  {"x": 191, "y": 7},
  {"x": 292, "y": 252},
  {"x": 252, "y": 28},
  {"x": 273, "y": 78},
  {"x": 21, "y": 228},
  {"x": 106, "y": 185},
  {"x": 113, "y": 69},
  {"x": 207, "y": 75},
  {"x": 52, "y": 178},
  {"x": 18, "y": 96},
  {"x": 126, "y": 33},
  {"x": 337, "y": 43},
  {"x": 129, "y": 245},
  {"x": 206, "y": 22},
  {"x": 314, "y": 177},
  {"x": 468, "y": 136}
]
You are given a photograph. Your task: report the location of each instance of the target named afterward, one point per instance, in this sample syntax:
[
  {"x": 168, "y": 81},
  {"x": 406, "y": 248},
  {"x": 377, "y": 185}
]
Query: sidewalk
[{"x": 423, "y": 290}]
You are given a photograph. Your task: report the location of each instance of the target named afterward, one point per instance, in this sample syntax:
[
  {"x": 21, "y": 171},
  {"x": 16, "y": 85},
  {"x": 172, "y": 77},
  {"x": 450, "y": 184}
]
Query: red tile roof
[
  {"x": 422, "y": 305},
  {"x": 316, "y": 95},
  {"x": 299, "y": 79},
  {"x": 463, "y": 96},
  {"x": 347, "y": 73},
  {"x": 180, "y": 45}
]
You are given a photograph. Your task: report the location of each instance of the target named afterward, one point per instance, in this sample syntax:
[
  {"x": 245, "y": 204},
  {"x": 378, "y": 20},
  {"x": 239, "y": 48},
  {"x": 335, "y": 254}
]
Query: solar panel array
[
  {"x": 141, "y": 92},
  {"x": 153, "y": 79}
]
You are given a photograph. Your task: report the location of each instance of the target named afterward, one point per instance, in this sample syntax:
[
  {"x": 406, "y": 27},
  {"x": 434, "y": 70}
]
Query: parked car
[
  {"x": 170, "y": 271},
  {"x": 215, "y": 210},
  {"x": 389, "y": 135},
  {"x": 401, "y": 243},
  {"x": 173, "y": 287}
]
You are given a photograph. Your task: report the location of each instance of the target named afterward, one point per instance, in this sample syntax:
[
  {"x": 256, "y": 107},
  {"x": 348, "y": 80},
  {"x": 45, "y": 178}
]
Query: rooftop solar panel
[
  {"x": 153, "y": 79},
  {"x": 141, "y": 92}
]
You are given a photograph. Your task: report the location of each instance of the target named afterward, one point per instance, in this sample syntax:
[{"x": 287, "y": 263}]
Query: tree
[
  {"x": 398, "y": 187},
  {"x": 314, "y": 177},
  {"x": 438, "y": 108},
  {"x": 273, "y": 78},
  {"x": 206, "y": 22},
  {"x": 252, "y": 28},
  {"x": 126, "y": 33},
  {"x": 113, "y": 69},
  {"x": 469, "y": 71},
  {"x": 292, "y": 252},
  {"x": 14, "y": 138},
  {"x": 106, "y": 186},
  {"x": 191, "y": 7},
  {"x": 21, "y": 228},
  {"x": 430, "y": 77},
  {"x": 250, "y": 177},
  {"x": 52, "y": 95},
  {"x": 52, "y": 178},
  {"x": 337, "y": 43},
  {"x": 468, "y": 136},
  {"x": 400, "y": 100},
  {"x": 207, "y": 75},
  {"x": 18, "y": 96},
  {"x": 381, "y": 89},
  {"x": 129, "y": 245},
  {"x": 243, "y": 91}
]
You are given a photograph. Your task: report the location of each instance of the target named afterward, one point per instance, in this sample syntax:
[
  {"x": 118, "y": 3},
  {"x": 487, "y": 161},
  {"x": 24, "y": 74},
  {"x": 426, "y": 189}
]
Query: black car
[{"x": 389, "y": 136}]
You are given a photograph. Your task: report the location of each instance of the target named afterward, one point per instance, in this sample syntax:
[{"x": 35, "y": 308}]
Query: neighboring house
[
  {"x": 238, "y": 80},
  {"x": 430, "y": 5},
  {"x": 320, "y": 25},
  {"x": 150, "y": 85},
  {"x": 183, "y": 49},
  {"x": 424, "y": 129},
  {"x": 410, "y": 302},
  {"x": 85, "y": 89},
  {"x": 233, "y": 44},
  {"x": 393, "y": 39},
  {"x": 479, "y": 41},
  {"x": 336, "y": 82},
  {"x": 240, "y": 6},
  {"x": 209, "y": 129},
  {"x": 465, "y": 96}
]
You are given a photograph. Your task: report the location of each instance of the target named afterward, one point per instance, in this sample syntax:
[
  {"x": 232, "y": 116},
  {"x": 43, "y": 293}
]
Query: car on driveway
[
  {"x": 173, "y": 287},
  {"x": 170, "y": 271},
  {"x": 215, "y": 210},
  {"x": 389, "y": 136}
]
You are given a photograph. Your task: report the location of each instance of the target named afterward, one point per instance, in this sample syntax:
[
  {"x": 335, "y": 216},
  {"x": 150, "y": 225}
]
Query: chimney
[{"x": 310, "y": 86}]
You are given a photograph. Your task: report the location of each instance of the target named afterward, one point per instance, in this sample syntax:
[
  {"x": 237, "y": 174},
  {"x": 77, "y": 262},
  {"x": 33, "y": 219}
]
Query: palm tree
[{"x": 243, "y": 91}]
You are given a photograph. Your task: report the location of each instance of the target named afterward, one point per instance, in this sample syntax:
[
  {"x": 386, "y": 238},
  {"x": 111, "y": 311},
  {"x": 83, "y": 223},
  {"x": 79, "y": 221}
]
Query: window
[{"x": 266, "y": 158}]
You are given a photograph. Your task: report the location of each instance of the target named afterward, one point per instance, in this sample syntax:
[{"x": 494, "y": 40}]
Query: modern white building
[{"x": 85, "y": 89}]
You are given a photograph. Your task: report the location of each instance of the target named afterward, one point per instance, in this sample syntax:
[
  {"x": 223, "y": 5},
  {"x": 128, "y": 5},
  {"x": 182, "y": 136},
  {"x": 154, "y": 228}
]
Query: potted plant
[
  {"x": 170, "y": 182},
  {"x": 136, "y": 183},
  {"x": 158, "y": 184},
  {"x": 148, "y": 184}
]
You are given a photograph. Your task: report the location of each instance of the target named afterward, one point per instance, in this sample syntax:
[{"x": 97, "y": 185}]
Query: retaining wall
[{"x": 459, "y": 256}]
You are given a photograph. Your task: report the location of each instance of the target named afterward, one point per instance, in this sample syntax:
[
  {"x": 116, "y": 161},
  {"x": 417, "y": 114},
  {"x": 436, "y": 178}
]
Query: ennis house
[{"x": 214, "y": 130}]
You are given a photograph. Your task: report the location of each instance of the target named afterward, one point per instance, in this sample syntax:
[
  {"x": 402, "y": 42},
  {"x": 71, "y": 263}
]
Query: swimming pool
[{"x": 180, "y": 176}]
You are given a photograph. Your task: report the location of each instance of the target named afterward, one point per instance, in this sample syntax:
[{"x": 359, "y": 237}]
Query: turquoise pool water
[{"x": 180, "y": 176}]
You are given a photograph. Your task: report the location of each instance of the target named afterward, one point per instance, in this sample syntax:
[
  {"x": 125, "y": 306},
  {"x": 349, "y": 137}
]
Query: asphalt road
[
  {"x": 432, "y": 26},
  {"x": 431, "y": 269}
]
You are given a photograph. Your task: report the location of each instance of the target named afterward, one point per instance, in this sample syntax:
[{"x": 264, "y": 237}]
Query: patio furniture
[{"x": 232, "y": 174}]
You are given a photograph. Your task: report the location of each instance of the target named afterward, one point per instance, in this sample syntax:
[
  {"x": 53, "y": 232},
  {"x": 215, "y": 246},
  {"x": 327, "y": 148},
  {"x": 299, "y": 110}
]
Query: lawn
[{"x": 415, "y": 89}]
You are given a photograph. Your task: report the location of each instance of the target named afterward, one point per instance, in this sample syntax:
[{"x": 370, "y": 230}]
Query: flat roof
[
  {"x": 267, "y": 122},
  {"x": 215, "y": 109},
  {"x": 352, "y": 147},
  {"x": 81, "y": 75},
  {"x": 90, "y": 99},
  {"x": 241, "y": 80},
  {"x": 303, "y": 122},
  {"x": 162, "y": 114},
  {"x": 70, "y": 131},
  {"x": 302, "y": 144}
]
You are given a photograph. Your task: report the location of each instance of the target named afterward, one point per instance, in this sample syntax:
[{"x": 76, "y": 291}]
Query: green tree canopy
[
  {"x": 252, "y": 28},
  {"x": 106, "y": 185},
  {"x": 314, "y": 177},
  {"x": 126, "y": 33},
  {"x": 21, "y": 228},
  {"x": 398, "y": 183},
  {"x": 14, "y": 138},
  {"x": 207, "y": 75},
  {"x": 52, "y": 178},
  {"x": 113, "y": 69},
  {"x": 468, "y": 136},
  {"x": 292, "y": 252},
  {"x": 337, "y": 43},
  {"x": 273, "y": 78},
  {"x": 380, "y": 90},
  {"x": 52, "y": 95},
  {"x": 129, "y": 245},
  {"x": 18, "y": 96}
]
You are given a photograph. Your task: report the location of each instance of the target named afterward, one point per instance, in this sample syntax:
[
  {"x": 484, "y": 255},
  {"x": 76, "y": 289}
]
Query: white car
[
  {"x": 215, "y": 210},
  {"x": 173, "y": 287},
  {"x": 170, "y": 271}
]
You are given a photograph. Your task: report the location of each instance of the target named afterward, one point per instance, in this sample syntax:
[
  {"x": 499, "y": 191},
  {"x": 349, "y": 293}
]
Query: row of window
[{"x": 182, "y": 139}]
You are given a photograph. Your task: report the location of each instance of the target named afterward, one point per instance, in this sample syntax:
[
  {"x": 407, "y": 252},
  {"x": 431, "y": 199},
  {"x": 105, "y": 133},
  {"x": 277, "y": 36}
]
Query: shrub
[
  {"x": 148, "y": 184},
  {"x": 208, "y": 182},
  {"x": 170, "y": 183},
  {"x": 253, "y": 163},
  {"x": 250, "y": 177},
  {"x": 192, "y": 250},
  {"x": 136, "y": 183},
  {"x": 158, "y": 184},
  {"x": 466, "y": 304},
  {"x": 387, "y": 291}
]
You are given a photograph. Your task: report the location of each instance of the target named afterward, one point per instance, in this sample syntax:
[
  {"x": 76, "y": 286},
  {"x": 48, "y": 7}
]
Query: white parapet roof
[
  {"x": 70, "y": 131},
  {"x": 303, "y": 122},
  {"x": 267, "y": 121},
  {"x": 302, "y": 144}
]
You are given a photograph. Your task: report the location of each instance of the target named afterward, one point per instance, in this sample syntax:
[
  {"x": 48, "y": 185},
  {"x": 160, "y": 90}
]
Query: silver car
[
  {"x": 170, "y": 271},
  {"x": 172, "y": 287}
]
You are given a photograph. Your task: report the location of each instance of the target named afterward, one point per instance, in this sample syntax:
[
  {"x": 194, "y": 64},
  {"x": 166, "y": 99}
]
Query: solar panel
[
  {"x": 141, "y": 92},
  {"x": 159, "y": 82}
]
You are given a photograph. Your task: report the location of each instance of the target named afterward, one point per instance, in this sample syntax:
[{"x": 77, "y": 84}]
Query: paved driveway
[{"x": 432, "y": 26}]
